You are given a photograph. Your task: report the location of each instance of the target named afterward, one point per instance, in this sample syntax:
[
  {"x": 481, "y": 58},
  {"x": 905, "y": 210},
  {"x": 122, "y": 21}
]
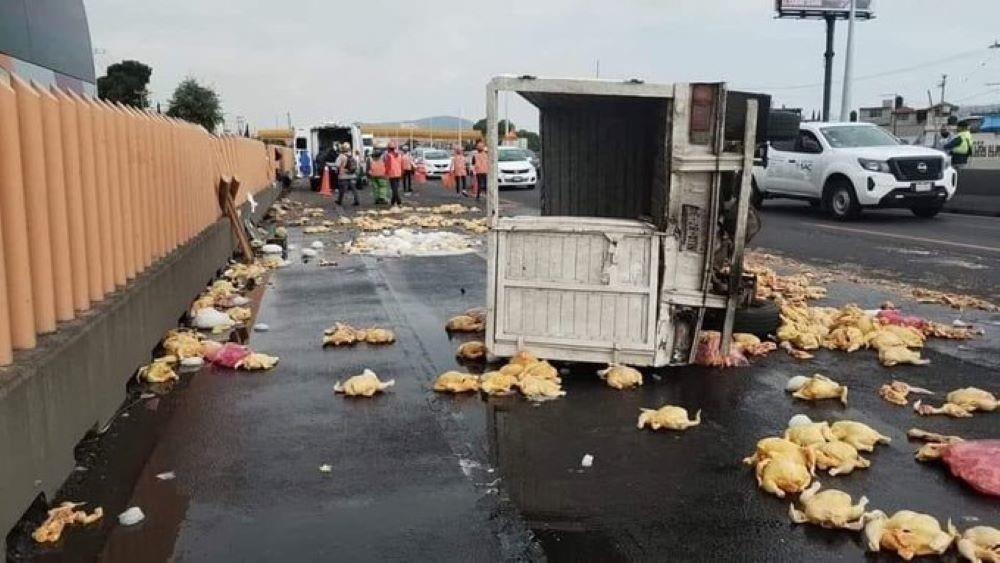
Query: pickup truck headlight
[{"x": 874, "y": 165}]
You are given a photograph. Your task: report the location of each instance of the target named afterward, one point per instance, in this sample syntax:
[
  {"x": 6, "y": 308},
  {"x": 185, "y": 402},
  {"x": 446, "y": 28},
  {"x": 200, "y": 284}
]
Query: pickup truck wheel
[
  {"x": 841, "y": 202},
  {"x": 927, "y": 211}
]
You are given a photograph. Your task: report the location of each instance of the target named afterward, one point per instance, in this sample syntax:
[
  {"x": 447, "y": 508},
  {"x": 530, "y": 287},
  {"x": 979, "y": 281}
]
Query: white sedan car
[
  {"x": 437, "y": 161},
  {"x": 515, "y": 169}
]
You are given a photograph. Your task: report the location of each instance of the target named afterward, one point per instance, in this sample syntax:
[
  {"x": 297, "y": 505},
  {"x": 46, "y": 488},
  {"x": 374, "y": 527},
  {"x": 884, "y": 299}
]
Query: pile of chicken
[
  {"x": 898, "y": 339},
  {"x": 796, "y": 289},
  {"x": 342, "y": 334},
  {"x": 787, "y": 464},
  {"x": 537, "y": 380},
  {"x": 61, "y": 516}
]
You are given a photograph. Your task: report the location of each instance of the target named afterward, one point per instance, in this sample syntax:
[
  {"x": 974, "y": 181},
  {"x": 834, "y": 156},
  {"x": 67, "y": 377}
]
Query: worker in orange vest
[
  {"x": 481, "y": 166},
  {"x": 459, "y": 171},
  {"x": 408, "y": 170},
  {"x": 376, "y": 176},
  {"x": 394, "y": 171}
]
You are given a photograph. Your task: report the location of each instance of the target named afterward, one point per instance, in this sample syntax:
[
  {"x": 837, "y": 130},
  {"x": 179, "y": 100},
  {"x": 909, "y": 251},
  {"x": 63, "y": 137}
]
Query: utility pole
[
  {"x": 831, "y": 22},
  {"x": 597, "y": 70},
  {"x": 942, "y": 84},
  {"x": 845, "y": 97}
]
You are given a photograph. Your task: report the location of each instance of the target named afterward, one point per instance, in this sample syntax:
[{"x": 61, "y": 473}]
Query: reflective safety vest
[
  {"x": 481, "y": 162},
  {"x": 965, "y": 147},
  {"x": 377, "y": 168},
  {"x": 458, "y": 165},
  {"x": 393, "y": 165},
  {"x": 407, "y": 163}
]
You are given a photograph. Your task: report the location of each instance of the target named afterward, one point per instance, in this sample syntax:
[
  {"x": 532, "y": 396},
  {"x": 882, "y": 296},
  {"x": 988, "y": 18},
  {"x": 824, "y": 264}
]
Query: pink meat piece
[
  {"x": 977, "y": 462},
  {"x": 229, "y": 355},
  {"x": 894, "y": 317},
  {"x": 708, "y": 354}
]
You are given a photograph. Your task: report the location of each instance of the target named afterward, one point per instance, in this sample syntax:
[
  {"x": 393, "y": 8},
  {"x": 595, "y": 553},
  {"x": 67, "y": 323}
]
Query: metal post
[
  {"x": 828, "y": 66},
  {"x": 845, "y": 98}
]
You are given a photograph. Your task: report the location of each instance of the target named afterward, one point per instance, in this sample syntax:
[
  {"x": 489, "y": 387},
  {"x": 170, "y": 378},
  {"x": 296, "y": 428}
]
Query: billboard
[{"x": 823, "y": 8}]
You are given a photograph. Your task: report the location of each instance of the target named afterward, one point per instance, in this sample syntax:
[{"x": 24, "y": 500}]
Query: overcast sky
[{"x": 383, "y": 60}]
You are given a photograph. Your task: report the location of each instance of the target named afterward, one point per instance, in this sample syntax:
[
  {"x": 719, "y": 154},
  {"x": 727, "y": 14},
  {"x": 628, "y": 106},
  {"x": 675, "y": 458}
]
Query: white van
[{"x": 331, "y": 135}]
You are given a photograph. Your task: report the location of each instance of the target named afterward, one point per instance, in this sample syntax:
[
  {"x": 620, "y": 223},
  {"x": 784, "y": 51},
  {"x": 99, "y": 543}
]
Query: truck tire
[
  {"x": 760, "y": 319},
  {"x": 928, "y": 210},
  {"x": 841, "y": 202}
]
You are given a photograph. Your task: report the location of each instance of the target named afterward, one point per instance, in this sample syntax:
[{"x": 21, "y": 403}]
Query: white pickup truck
[{"x": 845, "y": 167}]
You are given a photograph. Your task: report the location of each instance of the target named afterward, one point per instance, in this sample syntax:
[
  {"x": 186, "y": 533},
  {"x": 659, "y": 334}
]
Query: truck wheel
[
  {"x": 841, "y": 202},
  {"x": 761, "y": 319},
  {"x": 927, "y": 211}
]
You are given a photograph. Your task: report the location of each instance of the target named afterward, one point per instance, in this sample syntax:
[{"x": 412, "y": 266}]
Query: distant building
[
  {"x": 47, "y": 41},
  {"x": 906, "y": 122}
]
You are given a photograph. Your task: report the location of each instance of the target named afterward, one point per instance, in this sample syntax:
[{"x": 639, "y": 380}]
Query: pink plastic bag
[{"x": 228, "y": 355}]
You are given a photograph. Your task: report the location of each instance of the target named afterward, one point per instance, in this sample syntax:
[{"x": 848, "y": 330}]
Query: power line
[{"x": 901, "y": 70}]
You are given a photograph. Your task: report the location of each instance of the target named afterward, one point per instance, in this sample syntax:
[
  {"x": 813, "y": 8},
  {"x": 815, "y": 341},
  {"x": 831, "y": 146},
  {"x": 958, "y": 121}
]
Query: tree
[
  {"x": 196, "y": 103},
  {"x": 502, "y": 126},
  {"x": 126, "y": 82},
  {"x": 534, "y": 141}
]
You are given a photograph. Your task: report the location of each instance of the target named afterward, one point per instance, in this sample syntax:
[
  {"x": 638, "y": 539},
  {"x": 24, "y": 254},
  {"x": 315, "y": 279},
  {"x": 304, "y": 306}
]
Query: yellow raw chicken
[
  {"x": 668, "y": 417},
  {"x": 159, "y": 371},
  {"x": 204, "y": 301},
  {"x": 896, "y": 355},
  {"x": 897, "y": 392},
  {"x": 364, "y": 385},
  {"x": 379, "y": 336},
  {"x": 542, "y": 370},
  {"x": 523, "y": 358},
  {"x": 221, "y": 288},
  {"x": 464, "y": 323},
  {"x": 182, "y": 344},
  {"x": 60, "y": 517},
  {"x": 257, "y": 361},
  {"x": 240, "y": 314},
  {"x": 512, "y": 369},
  {"x": 980, "y": 544},
  {"x": 910, "y": 336},
  {"x": 540, "y": 389},
  {"x": 498, "y": 383},
  {"x": 339, "y": 335},
  {"x": 774, "y": 447},
  {"x": 621, "y": 377},
  {"x": 857, "y": 434},
  {"x": 751, "y": 345},
  {"x": 846, "y": 338},
  {"x": 471, "y": 351},
  {"x": 809, "y": 434},
  {"x": 907, "y": 533},
  {"x": 456, "y": 382},
  {"x": 781, "y": 475},
  {"x": 840, "y": 458},
  {"x": 950, "y": 409},
  {"x": 973, "y": 399},
  {"x": 816, "y": 388},
  {"x": 830, "y": 509}
]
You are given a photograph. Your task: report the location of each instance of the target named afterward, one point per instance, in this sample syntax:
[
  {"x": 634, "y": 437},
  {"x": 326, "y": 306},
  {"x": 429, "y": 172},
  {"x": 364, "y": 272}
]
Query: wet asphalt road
[{"x": 421, "y": 476}]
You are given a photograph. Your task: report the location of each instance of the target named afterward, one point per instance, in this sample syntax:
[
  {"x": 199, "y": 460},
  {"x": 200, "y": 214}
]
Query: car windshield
[
  {"x": 436, "y": 155},
  {"x": 852, "y": 136},
  {"x": 511, "y": 155}
]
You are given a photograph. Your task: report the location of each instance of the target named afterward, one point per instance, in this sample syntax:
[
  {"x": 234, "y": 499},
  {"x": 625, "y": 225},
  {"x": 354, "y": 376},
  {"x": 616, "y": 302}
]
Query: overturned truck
[{"x": 644, "y": 215}]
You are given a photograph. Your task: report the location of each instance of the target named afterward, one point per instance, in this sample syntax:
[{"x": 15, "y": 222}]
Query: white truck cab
[{"x": 846, "y": 167}]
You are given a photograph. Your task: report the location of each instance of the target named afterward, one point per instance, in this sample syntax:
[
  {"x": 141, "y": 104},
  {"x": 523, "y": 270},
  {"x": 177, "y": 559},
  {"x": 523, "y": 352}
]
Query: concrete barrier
[
  {"x": 74, "y": 380},
  {"x": 978, "y": 192}
]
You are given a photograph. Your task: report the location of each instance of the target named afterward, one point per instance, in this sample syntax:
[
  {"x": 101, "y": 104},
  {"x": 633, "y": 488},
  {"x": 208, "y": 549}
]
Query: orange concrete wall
[{"x": 92, "y": 194}]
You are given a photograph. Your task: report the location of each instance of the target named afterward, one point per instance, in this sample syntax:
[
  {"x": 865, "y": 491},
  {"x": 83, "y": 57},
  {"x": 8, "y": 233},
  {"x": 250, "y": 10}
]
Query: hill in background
[{"x": 435, "y": 122}]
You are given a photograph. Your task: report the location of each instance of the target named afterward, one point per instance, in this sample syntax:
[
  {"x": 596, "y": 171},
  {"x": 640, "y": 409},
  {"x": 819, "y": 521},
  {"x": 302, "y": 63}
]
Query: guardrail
[{"x": 92, "y": 194}]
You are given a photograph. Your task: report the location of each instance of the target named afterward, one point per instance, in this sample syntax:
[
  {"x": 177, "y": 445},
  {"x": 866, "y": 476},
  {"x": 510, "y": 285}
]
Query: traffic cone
[{"x": 324, "y": 187}]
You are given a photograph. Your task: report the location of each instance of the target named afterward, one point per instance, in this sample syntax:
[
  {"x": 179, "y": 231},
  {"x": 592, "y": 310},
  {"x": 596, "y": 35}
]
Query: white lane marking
[{"x": 907, "y": 237}]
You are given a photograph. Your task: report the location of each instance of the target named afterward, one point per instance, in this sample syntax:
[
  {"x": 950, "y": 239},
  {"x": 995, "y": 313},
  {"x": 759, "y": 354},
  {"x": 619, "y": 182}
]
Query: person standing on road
[
  {"x": 347, "y": 173},
  {"x": 408, "y": 169},
  {"x": 481, "y": 166},
  {"x": 376, "y": 176},
  {"x": 394, "y": 171},
  {"x": 459, "y": 171},
  {"x": 960, "y": 147}
]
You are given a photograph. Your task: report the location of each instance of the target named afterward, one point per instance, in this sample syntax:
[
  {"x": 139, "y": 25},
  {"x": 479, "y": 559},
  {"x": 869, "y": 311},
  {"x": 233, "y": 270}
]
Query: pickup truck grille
[
  {"x": 518, "y": 171},
  {"x": 916, "y": 169}
]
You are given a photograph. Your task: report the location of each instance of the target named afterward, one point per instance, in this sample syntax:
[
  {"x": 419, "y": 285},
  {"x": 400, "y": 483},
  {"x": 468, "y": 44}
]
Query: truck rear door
[{"x": 576, "y": 289}]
